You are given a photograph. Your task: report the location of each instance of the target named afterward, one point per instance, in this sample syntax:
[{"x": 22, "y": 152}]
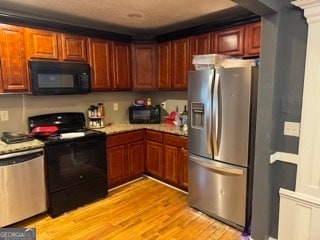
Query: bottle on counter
[
  {"x": 177, "y": 117},
  {"x": 184, "y": 116},
  {"x": 100, "y": 110}
]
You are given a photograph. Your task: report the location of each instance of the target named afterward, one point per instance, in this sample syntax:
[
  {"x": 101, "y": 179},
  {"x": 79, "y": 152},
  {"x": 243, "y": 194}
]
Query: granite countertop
[
  {"x": 16, "y": 147},
  {"x": 125, "y": 127},
  {"x": 109, "y": 130}
]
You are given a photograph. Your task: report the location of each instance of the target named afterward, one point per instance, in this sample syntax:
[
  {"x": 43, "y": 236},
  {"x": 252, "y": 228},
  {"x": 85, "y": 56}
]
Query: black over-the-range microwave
[
  {"x": 48, "y": 78},
  {"x": 144, "y": 114}
]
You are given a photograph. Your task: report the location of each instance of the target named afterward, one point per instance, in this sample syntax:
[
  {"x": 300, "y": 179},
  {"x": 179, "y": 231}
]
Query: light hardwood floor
[{"x": 144, "y": 209}]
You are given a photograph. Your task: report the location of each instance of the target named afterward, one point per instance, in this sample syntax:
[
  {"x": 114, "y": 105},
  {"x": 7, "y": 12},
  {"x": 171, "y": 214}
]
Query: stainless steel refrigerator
[{"x": 221, "y": 132}]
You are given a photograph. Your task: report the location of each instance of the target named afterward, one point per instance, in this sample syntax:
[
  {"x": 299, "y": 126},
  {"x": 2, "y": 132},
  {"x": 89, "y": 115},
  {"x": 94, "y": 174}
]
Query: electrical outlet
[
  {"x": 4, "y": 116},
  {"x": 115, "y": 107},
  {"x": 163, "y": 105},
  {"x": 292, "y": 129}
]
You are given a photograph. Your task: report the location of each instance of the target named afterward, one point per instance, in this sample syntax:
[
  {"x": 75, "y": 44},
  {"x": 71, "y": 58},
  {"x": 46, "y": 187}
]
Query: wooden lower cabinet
[
  {"x": 167, "y": 158},
  {"x": 116, "y": 159},
  {"x": 136, "y": 158},
  {"x": 161, "y": 155},
  {"x": 125, "y": 157},
  {"x": 171, "y": 164},
  {"x": 154, "y": 158},
  {"x": 183, "y": 168},
  {"x": 176, "y": 159}
]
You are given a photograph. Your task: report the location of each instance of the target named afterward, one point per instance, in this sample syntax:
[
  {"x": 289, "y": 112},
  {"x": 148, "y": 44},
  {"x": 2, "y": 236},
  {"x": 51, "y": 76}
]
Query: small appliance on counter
[
  {"x": 145, "y": 114},
  {"x": 11, "y": 137}
]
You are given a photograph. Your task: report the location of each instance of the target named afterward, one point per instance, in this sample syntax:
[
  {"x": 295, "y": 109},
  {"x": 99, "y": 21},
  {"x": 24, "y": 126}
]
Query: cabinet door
[
  {"x": 74, "y": 48},
  {"x": 230, "y": 41},
  {"x": 183, "y": 168},
  {"x": 143, "y": 66},
  {"x": 180, "y": 63},
  {"x": 154, "y": 158},
  {"x": 252, "y": 39},
  {"x": 42, "y": 44},
  {"x": 121, "y": 66},
  {"x": 136, "y": 158},
  {"x": 100, "y": 61},
  {"x": 116, "y": 165},
  {"x": 164, "y": 65},
  {"x": 200, "y": 44},
  {"x": 170, "y": 166},
  {"x": 13, "y": 59}
]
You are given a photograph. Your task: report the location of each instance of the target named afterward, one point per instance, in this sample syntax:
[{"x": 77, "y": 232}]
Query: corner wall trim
[{"x": 284, "y": 157}]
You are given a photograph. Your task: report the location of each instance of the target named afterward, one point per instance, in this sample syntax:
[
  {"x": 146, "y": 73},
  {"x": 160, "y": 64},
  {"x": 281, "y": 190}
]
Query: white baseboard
[{"x": 270, "y": 238}]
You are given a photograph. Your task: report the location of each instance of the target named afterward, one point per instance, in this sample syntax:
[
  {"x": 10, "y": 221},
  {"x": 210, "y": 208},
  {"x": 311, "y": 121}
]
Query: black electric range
[{"x": 75, "y": 157}]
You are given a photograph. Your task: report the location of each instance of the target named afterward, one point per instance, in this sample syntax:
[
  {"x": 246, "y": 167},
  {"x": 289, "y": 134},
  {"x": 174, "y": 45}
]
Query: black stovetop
[{"x": 66, "y": 122}]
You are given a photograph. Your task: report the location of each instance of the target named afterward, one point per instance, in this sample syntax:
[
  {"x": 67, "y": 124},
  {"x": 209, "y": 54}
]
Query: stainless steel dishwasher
[{"x": 22, "y": 186}]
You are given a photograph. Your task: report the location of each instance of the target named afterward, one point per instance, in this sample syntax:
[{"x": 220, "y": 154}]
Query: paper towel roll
[{"x": 71, "y": 135}]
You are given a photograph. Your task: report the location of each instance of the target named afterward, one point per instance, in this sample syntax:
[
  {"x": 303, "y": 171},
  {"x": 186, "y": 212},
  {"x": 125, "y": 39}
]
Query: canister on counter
[{"x": 149, "y": 102}]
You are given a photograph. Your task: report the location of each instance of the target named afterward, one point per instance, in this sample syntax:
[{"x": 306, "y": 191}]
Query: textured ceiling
[{"x": 123, "y": 16}]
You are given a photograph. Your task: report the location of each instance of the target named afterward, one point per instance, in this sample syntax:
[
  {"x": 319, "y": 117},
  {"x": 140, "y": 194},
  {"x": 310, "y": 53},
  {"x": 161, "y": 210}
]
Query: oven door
[{"x": 74, "y": 162}]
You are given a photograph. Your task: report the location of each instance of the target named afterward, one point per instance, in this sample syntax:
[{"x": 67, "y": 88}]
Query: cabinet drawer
[
  {"x": 123, "y": 138},
  {"x": 154, "y": 136},
  {"x": 175, "y": 140}
]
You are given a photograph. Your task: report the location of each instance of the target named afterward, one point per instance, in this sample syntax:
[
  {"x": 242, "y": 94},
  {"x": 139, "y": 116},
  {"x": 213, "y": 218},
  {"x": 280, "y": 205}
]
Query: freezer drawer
[{"x": 218, "y": 189}]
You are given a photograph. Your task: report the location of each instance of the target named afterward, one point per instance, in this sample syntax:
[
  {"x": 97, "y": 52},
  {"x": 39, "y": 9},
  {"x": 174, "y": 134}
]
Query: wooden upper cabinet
[
  {"x": 230, "y": 41},
  {"x": 164, "y": 65},
  {"x": 1, "y": 85},
  {"x": 101, "y": 63},
  {"x": 74, "y": 48},
  {"x": 13, "y": 59},
  {"x": 180, "y": 63},
  {"x": 121, "y": 66},
  {"x": 42, "y": 44},
  {"x": 56, "y": 46},
  {"x": 200, "y": 44},
  {"x": 252, "y": 39},
  {"x": 143, "y": 66}
]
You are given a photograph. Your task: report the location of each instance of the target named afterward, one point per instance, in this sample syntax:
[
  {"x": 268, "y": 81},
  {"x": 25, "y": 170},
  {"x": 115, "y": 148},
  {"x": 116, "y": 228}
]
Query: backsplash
[{"x": 20, "y": 107}]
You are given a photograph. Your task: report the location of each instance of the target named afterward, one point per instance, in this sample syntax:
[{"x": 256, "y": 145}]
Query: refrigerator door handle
[
  {"x": 215, "y": 114},
  {"x": 209, "y": 119},
  {"x": 212, "y": 166}
]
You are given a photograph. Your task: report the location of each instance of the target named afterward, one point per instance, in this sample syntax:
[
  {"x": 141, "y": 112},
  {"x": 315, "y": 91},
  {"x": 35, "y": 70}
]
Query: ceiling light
[{"x": 134, "y": 15}]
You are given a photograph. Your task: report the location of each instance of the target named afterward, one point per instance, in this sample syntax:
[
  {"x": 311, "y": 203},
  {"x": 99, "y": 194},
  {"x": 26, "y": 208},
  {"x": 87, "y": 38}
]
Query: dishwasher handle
[{"x": 19, "y": 157}]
